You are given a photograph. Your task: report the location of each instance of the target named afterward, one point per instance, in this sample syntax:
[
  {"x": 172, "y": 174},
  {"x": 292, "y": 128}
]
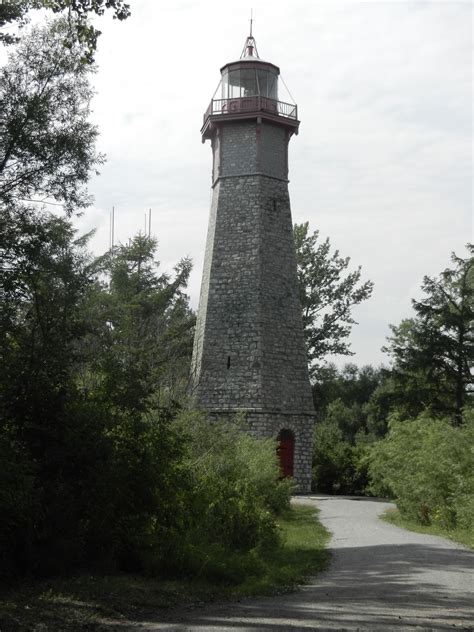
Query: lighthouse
[{"x": 249, "y": 357}]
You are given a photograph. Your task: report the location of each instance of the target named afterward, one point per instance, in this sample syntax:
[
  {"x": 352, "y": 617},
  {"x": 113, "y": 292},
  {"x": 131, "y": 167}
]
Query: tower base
[{"x": 269, "y": 424}]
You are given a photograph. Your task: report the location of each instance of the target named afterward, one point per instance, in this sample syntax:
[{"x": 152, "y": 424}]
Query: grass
[
  {"x": 462, "y": 536},
  {"x": 303, "y": 553},
  {"x": 90, "y": 603}
]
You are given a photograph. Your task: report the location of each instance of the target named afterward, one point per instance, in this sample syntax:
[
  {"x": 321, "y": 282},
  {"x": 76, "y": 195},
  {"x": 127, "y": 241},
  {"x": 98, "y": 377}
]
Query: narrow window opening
[
  {"x": 228, "y": 362},
  {"x": 274, "y": 204}
]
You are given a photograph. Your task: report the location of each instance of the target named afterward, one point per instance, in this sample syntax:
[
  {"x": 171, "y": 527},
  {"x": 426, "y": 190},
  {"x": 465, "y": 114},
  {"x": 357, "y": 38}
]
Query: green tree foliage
[
  {"x": 77, "y": 12},
  {"x": 342, "y": 398},
  {"x": 234, "y": 497},
  {"x": 14, "y": 11},
  {"x": 88, "y": 474},
  {"x": 47, "y": 143},
  {"x": 433, "y": 353},
  {"x": 384, "y": 400},
  {"x": 427, "y": 465},
  {"x": 327, "y": 296},
  {"x": 147, "y": 328},
  {"x": 350, "y": 419},
  {"x": 333, "y": 468},
  {"x": 44, "y": 281},
  {"x": 94, "y": 356},
  {"x": 94, "y": 470},
  {"x": 47, "y": 432},
  {"x": 351, "y": 384}
]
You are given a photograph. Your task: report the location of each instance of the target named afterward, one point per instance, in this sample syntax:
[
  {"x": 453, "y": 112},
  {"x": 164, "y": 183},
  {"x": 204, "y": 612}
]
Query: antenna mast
[
  {"x": 112, "y": 229},
  {"x": 250, "y": 46}
]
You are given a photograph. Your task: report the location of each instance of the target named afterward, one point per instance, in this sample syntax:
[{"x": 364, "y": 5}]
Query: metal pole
[{"x": 113, "y": 226}]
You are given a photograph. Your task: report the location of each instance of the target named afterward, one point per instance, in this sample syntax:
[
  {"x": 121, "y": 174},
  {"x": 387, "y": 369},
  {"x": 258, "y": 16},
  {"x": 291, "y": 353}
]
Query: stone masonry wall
[
  {"x": 249, "y": 350},
  {"x": 271, "y": 162},
  {"x": 239, "y": 148}
]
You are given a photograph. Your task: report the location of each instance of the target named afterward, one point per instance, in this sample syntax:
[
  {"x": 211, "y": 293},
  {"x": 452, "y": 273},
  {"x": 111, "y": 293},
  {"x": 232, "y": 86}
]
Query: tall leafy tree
[
  {"x": 328, "y": 292},
  {"x": 433, "y": 352},
  {"x": 78, "y": 13},
  {"x": 47, "y": 143},
  {"x": 43, "y": 279},
  {"x": 350, "y": 384},
  {"x": 11, "y": 12}
]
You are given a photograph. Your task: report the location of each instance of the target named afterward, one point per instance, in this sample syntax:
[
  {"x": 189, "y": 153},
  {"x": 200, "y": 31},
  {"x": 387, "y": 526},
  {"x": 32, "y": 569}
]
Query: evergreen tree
[
  {"x": 433, "y": 352},
  {"x": 146, "y": 343}
]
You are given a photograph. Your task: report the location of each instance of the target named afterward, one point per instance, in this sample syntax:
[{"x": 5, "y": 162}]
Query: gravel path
[{"x": 381, "y": 578}]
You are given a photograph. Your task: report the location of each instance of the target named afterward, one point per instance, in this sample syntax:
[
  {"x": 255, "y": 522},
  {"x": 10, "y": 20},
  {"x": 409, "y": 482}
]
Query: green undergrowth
[
  {"x": 95, "y": 603},
  {"x": 462, "y": 536}
]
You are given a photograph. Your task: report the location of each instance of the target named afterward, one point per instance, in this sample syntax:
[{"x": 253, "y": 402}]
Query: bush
[
  {"x": 338, "y": 466},
  {"x": 104, "y": 493},
  {"x": 463, "y": 501},
  {"x": 427, "y": 466},
  {"x": 332, "y": 465},
  {"x": 233, "y": 498},
  {"x": 136, "y": 508},
  {"x": 123, "y": 490},
  {"x": 17, "y": 508}
]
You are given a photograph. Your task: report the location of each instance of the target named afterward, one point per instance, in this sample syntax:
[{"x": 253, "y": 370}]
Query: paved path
[{"x": 381, "y": 578}]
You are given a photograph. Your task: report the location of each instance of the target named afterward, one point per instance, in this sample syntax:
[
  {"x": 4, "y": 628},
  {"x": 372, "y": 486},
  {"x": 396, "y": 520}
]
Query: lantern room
[
  {"x": 249, "y": 77},
  {"x": 249, "y": 89}
]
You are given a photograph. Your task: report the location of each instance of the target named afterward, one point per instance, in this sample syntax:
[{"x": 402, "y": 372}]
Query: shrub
[
  {"x": 463, "y": 501},
  {"x": 333, "y": 469},
  {"x": 427, "y": 466},
  {"x": 233, "y": 498},
  {"x": 17, "y": 508},
  {"x": 339, "y": 449},
  {"x": 105, "y": 492}
]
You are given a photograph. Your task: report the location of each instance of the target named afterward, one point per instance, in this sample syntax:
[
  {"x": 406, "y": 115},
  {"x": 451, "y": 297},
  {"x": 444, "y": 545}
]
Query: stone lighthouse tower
[{"x": 249, "y": 353}]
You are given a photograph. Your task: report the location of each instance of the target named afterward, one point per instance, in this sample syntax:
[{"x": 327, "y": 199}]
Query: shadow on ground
[{"x": 368, "y": 588}]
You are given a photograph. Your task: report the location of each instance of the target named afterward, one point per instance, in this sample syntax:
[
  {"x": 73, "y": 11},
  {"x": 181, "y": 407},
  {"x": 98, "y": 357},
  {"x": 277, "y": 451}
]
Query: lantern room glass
[{"x": 245, "y": 82}]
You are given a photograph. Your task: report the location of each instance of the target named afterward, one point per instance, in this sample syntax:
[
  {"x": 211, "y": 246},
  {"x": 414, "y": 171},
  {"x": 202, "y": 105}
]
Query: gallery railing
[{"x": 241, "y": 105}]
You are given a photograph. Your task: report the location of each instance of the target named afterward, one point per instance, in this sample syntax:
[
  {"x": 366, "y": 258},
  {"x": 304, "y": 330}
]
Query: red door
[{"x": 285, "y": 451}]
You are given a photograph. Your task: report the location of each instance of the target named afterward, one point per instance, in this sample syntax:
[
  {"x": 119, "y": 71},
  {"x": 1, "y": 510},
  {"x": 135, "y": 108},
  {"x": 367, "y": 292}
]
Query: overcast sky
[{"x": 383, "y": 161}]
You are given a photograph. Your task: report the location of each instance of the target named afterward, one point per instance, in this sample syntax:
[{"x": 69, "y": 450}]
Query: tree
[
  {"x": 86, "y": 474},
  {"x": 43, "y": 279},
  {"x": 433, "y": 352},
  {"x": 147, "y": 328},
  {"x": 342, "y": 432},
  {"x": 78, "y": 13},
  {"x": 352, "y": 385},
  {"x": 327, "y": 297},
  {"x": 47, "y": 144},
  {"x": 385, "y": 398},
  {"x": 333, "y": 469},
  {"x": 12, "y": 12},
  {"x": 43, "y": 283}
]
